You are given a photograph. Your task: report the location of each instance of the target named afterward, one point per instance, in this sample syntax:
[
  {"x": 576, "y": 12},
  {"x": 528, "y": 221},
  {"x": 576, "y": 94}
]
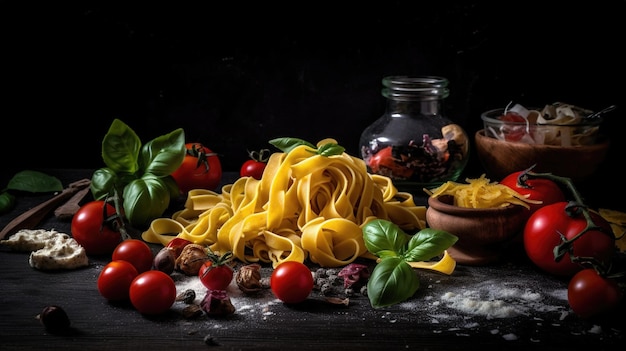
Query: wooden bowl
[
  {"x": 484, "y": 234},
  {"x": 501, "y": 158}
]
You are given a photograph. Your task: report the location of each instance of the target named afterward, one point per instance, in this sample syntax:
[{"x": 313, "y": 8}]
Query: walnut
[
  {"x": 191, "y": 259},
  {"x": 249, "y": 278}
]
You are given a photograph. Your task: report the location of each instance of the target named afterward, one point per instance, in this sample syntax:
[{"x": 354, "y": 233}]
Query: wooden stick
[{"x": 32, "y": 217}]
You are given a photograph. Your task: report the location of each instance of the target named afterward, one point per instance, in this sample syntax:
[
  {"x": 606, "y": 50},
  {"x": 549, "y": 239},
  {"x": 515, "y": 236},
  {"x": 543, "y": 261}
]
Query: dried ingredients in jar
[{"x": 191, "y": 259}]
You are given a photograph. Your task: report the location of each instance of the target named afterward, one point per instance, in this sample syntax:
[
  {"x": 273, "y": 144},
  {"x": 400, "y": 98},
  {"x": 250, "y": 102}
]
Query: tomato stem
[{"x": 574, "y": 208}]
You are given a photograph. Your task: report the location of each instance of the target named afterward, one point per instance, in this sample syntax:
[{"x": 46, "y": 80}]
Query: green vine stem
[{"x": 574, "y": 208}]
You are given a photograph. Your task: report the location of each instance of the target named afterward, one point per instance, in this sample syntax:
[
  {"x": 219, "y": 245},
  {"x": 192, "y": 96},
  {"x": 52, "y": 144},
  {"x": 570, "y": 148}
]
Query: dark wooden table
[{"x": 436, "y": 318}]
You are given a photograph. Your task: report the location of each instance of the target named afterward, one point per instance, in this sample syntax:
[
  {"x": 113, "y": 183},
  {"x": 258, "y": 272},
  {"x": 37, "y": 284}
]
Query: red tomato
[
  {"x": 291, "y": 281},
  {"x": 214, "y": 276},
  {"x": 115, "y": 279},
  {"x": 93, "y": 231},
  {"x": 590, "y": 294},
  {"x": 513, "y": 132},
  {"x": 135, "y": 251},
  {"x": 255, "y": 166},
  {"x": 201, "y": 169},
  {"x": 152, "y": 292},
  {"x": 178, "y": 244},
  {"x": 544, "y": 190},
  {"x": 543, "y": 231}
]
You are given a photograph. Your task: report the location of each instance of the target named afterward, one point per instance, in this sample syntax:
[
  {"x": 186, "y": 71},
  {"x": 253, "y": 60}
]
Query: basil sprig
[
  {"x": 287, "y": 144},
  {"x": 141, "y": 173},
  {"x": 393, "y": 280}
]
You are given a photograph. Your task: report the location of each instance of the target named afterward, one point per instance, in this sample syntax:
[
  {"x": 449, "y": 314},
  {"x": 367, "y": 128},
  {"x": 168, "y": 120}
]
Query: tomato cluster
[
  {"x": 129, "y": 276},
  {"x": 568, "y": 240}
]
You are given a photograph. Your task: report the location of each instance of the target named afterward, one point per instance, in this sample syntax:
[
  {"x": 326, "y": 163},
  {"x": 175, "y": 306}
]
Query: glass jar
[{"x": 413, "y": 142}]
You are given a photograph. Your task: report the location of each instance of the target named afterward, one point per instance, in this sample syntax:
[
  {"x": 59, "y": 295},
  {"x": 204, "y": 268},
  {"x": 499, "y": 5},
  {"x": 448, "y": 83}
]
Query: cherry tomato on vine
[
  {"x": 542, "y": 189},
  {"x": 590, "y": 294},
  {"x": 94, "y": 229},
  {"x": 543, "y": 231},
  {"x": 135, "y": 251},
  {"x": 255, "y": 166},
  {"x": 115, "y": 278},
  {"x": 291, "y": 281},
  {"x": 201, "y": 169},
  {"x": 152, "y": 292},
  {"x": 216, "y": 274}
]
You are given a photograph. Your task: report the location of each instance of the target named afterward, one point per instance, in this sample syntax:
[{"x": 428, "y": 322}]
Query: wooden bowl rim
[
  {"x": 443, "y": 204},
  {"x": 603, "y": 143}
]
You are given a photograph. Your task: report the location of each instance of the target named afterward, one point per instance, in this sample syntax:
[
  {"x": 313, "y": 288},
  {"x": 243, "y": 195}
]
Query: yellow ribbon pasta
[{"x": 305, "y": 206}]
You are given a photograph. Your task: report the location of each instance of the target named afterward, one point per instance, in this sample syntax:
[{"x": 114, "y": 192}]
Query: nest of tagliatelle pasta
[{"x": 308, "y": 205}]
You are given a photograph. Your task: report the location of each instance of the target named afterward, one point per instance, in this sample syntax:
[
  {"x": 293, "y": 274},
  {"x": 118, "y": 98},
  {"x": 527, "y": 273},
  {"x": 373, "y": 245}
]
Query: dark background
[{"x": 235, "y": 76}]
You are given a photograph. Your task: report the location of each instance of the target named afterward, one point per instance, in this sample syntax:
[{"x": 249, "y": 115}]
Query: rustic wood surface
[{"x": 261, "y": 323}]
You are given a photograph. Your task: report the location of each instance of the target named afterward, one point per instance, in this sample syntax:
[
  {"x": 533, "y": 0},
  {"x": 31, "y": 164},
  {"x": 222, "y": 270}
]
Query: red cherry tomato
[
  {"x": 94, "y": 230},
  {"x": 152, "y": 292},
  {"x": 291, "y": 281},
  {"x": 543, "y": 230},
  {"x": 541, "y": 189},
  {"x": 178, "y": 244},
  {"x": 215, "y": 277},
  {"x": 255, "y": 166},
  {"x": 201, "y": 169},
  {"x": 135, "y": 251},
  {"x": 115, "y": 278},
  {"x": 590, "y": 294},
  {"x": 513, "y": 132}
]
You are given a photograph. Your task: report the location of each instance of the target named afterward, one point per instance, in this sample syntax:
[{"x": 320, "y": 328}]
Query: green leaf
[
  {"x": 392, "y": 281},
  {"x": 383, "y": 237},
  {"x": 145, "y": 199},
  {"x": 330, "y": 149},
  {"x": 164, "y": 154},
  {"x": 287, "y": 144},
  {"x": 7, "y": 202},
  {"x": 34, "y": 182},
  {"x": 120, "y": 148},
  {"x": 428, "y": 243}
]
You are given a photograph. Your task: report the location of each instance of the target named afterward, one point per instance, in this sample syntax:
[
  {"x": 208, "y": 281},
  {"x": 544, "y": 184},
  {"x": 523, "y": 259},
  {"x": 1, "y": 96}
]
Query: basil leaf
[
  {"x": 384, "y": 238},
  {"x": 164, "y": 154},
  {"x": 7, "y": 202},
  {"x": 145, "y": 199},
  {"x": 330, "y": 149},
  {"x": 120, "y": 148},
  {"x": 392, "y": 281},
  {"x": 34, "y": 182},
  {"x": 428, "y": 243},
  {"x": 287, "y": 144}
]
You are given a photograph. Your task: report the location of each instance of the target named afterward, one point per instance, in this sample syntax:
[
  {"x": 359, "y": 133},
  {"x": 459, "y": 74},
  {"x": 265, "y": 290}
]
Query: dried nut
[
  {"x": 192, "y": 311},
  {"x": 249, "y": 278},
  {"x": 165, "y": 260},
  {"x": 191, "y": 259},
  {"x": 188, "y": 296},
  {"x": 54, "y": 319}
]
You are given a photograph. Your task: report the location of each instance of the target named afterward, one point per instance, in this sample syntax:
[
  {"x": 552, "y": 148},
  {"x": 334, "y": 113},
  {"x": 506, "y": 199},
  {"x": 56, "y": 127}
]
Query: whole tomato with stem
[
  {"x": 255, "y": 166},
  {"x": 556, "y": 236},
  {"x": 215, "y": 273},
  {"x": 539, "y": 189},
  {"x": 201, "y": 169},
  {"x": 591, "y": 293},
  {"x": 96, "y": 227}
]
